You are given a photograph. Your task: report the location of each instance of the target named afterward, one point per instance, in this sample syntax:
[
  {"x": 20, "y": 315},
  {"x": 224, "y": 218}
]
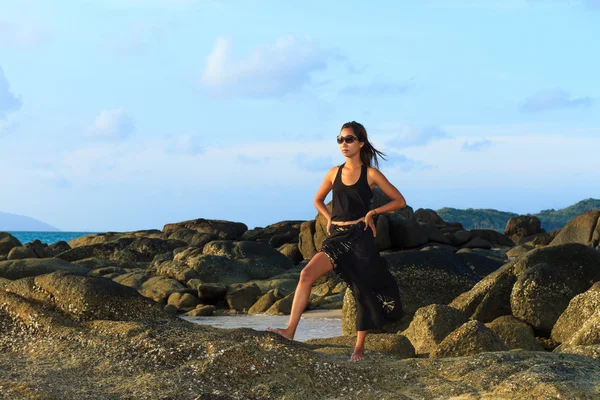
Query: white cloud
[
  {"x": 111, "y": 124},
  {"x": 269, "y": 71},
  {"x": 8, "y": 101},
  {"x": 554, "y": 98}
]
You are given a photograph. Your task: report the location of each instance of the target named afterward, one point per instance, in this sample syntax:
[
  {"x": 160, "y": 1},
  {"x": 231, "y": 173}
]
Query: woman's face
[{"x": 349, "y": 149}]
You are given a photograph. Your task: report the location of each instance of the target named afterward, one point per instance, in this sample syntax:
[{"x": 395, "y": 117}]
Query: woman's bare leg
[
  {"x": 359, "y": 348},
  {"x": 317, "y": 266}
]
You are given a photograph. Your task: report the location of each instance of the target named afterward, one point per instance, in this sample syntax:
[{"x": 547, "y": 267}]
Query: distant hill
[
  {"x": 551, "y": 219},
  {"x": 14, "y": 222}
]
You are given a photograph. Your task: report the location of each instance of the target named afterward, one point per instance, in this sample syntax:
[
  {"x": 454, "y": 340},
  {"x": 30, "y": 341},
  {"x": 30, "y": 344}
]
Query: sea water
[
  {"x": 47, "y": 237},
  {"x": 313, "y": 324}
]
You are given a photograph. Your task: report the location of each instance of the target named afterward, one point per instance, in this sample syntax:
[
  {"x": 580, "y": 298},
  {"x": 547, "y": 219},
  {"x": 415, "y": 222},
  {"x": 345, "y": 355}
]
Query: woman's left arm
[{"x": 397, "y": 201}]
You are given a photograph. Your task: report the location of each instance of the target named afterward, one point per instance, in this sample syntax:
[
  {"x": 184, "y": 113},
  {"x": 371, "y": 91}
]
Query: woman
[{"x": 351, "y": 250}]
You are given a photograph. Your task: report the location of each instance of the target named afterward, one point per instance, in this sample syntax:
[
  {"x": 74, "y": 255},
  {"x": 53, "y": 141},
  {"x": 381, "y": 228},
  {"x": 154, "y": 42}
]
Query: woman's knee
[{"x": 316, "y": 267}]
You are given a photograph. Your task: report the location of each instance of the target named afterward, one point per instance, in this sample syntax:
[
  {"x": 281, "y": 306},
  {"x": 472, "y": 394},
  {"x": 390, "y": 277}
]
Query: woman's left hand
[{"x": 370, "y": 223}]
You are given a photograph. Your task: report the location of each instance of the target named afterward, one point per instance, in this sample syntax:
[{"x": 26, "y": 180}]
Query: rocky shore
[{"x": 487, "y": 315}]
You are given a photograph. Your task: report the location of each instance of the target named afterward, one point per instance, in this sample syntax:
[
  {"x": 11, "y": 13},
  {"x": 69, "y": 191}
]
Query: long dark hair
[{"x": 368, "y": 153}]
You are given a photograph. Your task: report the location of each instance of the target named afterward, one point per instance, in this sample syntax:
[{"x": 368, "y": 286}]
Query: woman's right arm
[{"x": 322, "y": 193}]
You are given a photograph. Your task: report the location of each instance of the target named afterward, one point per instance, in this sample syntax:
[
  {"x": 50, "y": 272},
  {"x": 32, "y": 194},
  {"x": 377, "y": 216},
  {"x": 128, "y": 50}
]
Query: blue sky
[{"x": 130, "y": 114}]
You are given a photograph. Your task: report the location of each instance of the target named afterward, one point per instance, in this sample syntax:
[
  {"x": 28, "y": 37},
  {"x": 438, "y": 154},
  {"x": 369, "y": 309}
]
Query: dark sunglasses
[{"x": 348, "y": 139}]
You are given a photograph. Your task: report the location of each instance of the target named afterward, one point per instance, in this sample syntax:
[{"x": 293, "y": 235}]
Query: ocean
[{"x": 47, "y": 237}]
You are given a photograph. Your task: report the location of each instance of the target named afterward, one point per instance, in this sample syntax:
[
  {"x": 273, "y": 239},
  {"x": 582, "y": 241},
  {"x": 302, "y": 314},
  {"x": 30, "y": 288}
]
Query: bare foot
[
  {"x": 282, "y": 332},
  {"x": 358, "y": 355}
]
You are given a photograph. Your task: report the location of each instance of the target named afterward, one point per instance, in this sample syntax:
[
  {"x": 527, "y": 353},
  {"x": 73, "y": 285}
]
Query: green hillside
[{"x": 551, "y": 219}]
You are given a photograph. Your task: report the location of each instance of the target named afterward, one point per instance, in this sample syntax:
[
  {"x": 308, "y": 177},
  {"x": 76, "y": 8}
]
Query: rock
[
  {"x": 584, "y": 229},
  {"x": 291, "y": 251},
  {"x": 428, "y": 215},
  {"x": 159, "y": 288},
  {"x": 183, "y": 300},
  {"x": 439, "y": 247},
  {"x": 131, "y": 250},
  {"x": 490, "y": 297},
  {"x": 16, "y": 269},
  {"x": 275, "y": 235},
  {"x": 87, "y": 298},
  {"x": 477, "y": 242},
  {"x": 7, "y": 242},
  {"x": 306, "y": 244},
  {"x": 580, "y": 309},
  {"x": 536, "y": 288},
  {"x": 282, "y": 306},
  {"x": 431, "y": 324},
  {"x": 192, "y": 238},
  {"x": 514, "y": 333},
  {"x": 97, "y": 238},
  {"x": 480, "y": 265},
  {"x": 405, "y": 233},
  {"x": 383, "y": 239},
  {"x": 243, "y": 297},
  {"x": 56, "y": 248},
  {"x": 519, "y": 250},
  {"x": 21, "y": 252},
  {"x": 522, "y": 226},
  {"x": 223, "y": 229},
  {"x": 264, "y": 302},
  {"x": 549, "y": 280},
  {"x": 492, "y": 236},
  {"x": 434, "y": 235},
  {"x": 261, "y": 261},
  {"x": 210, "y": 292},
  {"x": 459, "y": 238},
  {"x": 469, "y": 339},
  {"x": 592, "y": 351},
  {"x": 389, "y": 343},
  {"x": 171, "y": 309},
  {"x": 201, "y": 311}
]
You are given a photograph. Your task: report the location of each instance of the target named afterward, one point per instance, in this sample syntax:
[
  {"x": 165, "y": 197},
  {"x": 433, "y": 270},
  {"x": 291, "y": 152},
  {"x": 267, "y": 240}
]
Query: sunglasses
[{"x": 348, "y": 139}]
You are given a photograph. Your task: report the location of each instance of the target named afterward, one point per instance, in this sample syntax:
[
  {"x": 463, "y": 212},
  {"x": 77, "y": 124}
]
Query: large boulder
[
  {"x": 431, "y": 325},
  {"x": 306, "y": 243},
  {"x": 536, "y": 288},
  {"x": 388, "y": 343},
  {"x": 242, "y": 297},
  {"x": 469, "y": 339},
  {"x": 584, "y": 229},
  {"x": 86, "y": 297},
  {"x": 191, "y": 237},
  {"x": 16, "y": 269},
  {"x": 131, "y": 250},
  {"x": 7, "y": 242},
  {"x": 223, "y": 229},
  {"x": 514, "y": 333},
  {"x": 428, "y": 215},
  {"x": 97, "y": 238},
  {"x": 579, "y": 311},
  {"x": 21, "y": 252},
  {"x": 522, "y": 226},
  {"x": 275, "y": 235},
  {"x": 224, "y": 262}
]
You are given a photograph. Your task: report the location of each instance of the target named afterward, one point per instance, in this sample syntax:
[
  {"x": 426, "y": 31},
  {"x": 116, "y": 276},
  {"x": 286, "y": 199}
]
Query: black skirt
[{"x": 355, "y": 258}]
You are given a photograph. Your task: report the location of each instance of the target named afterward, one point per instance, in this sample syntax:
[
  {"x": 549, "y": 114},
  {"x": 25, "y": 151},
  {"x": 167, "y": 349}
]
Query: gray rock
[
  {"x": 7, "y": 242},
  {"x": 580, "y": 309},
  {"x": 243, "y": 297},
  {"x": 16, "y": 269},
  {"x": 514, "y": 333},
  {"x": 469, "y": 339},
  {"x": 431, "y": 325}
]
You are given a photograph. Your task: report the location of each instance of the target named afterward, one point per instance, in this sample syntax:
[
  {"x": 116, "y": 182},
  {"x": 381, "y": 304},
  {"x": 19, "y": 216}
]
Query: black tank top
[{"x": 350, "y": 202}]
